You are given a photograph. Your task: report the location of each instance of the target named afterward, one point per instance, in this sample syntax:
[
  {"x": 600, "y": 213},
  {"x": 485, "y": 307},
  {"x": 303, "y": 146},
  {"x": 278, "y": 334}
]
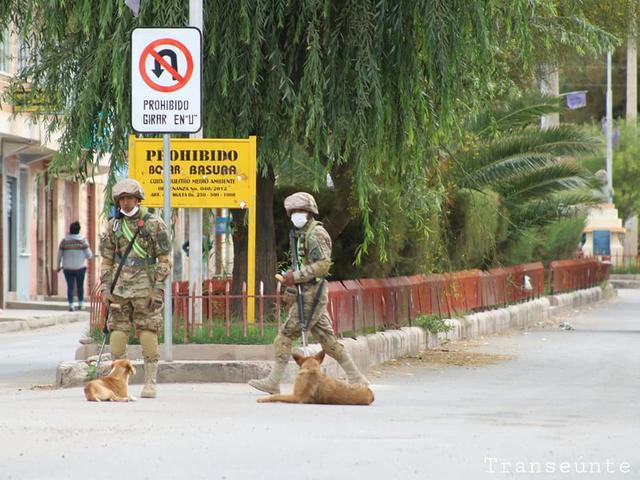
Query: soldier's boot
[
  {"x": 150, "y": 375},
  {"x": 336, "y": 350},
  {"x": 271, "y": 383},
  {"x": 118, "y": 344},
  {"x": 149, "y": 344}
]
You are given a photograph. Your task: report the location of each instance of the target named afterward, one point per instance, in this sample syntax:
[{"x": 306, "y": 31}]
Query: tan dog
[
  {"x": 114, "y": 387},
  {"x": 313, "y": 386}
]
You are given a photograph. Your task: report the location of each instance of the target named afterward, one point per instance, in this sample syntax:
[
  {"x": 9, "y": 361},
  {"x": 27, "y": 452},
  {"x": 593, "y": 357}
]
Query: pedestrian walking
[
  {"x": 138, "y": 295},
  {"x": 73, "y": 252},
  {"x": 311, "y": 250}
]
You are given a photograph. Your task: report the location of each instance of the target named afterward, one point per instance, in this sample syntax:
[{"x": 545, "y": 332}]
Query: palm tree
[{"x": 518, "y": 180}]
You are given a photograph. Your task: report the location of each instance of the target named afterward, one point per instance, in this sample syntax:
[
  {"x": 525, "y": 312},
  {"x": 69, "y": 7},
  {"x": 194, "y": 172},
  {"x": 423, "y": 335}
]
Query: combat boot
[
  {"x": 353, "y": 374},
  {"x": 150, "y": 373},
  {"x": 336, "y": 350},
  {"x": 271, "y": 384}
]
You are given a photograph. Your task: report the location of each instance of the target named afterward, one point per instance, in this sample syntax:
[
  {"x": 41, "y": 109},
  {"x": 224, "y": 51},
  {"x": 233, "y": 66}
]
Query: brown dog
[
  {"x": 313, "y": 386},
  {"x": 114, "y": 387}
]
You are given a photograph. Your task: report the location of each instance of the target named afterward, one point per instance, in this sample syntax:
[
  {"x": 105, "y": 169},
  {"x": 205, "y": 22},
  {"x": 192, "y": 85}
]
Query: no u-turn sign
[{"x": 166, "y": 80}]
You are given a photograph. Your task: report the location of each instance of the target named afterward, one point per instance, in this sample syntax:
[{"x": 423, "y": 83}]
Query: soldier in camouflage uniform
[
  {"x": 314, "y": 251},
  {"x": 138, "y": 295}
]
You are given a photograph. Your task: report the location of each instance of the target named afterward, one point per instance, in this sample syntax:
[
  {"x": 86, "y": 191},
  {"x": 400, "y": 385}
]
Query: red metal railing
[
  {"x": 372, "y": 304},
  {"x": 566, "y": 275}
]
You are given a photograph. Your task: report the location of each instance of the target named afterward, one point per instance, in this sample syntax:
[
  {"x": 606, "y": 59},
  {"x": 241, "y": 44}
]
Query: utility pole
[
  {"x": 609, "y": 131},
  {"x": 195, "y": 214}
]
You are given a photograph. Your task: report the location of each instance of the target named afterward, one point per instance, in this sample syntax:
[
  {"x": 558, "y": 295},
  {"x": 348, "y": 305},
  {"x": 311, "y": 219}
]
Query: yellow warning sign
[{"x": 205, "y": 173}]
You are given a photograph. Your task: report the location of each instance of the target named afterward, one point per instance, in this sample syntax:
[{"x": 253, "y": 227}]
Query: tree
[
  {"x": 526, "y": 177},
  {"x": 626, "y": 169},
  {"x": 367, "y": 90}
]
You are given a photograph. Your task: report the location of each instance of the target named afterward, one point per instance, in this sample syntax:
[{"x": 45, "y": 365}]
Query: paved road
[
  {"x": 567, "y": 402},
  {"x": 30, "y": 357}
]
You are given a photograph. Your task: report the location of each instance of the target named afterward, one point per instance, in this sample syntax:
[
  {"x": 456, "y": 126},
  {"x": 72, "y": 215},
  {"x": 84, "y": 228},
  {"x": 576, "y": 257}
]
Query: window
[
  {"x": 25, "y": 210},
  {"x": 5, "y": 52},
  {"x": 23, "y": 56}
]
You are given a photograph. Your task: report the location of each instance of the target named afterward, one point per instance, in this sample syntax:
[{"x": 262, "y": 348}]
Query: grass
[
  {"x": 431, "y": 323},
  {"x": 216, "y": 335}
]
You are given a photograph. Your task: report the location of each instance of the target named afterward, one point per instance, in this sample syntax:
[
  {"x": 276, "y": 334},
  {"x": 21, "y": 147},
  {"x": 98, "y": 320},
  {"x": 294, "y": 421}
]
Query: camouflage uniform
[
  {"x": 139, "y": 275},
  {"x": 138, "y": 295},
  {"x": 314, "y": 253}
]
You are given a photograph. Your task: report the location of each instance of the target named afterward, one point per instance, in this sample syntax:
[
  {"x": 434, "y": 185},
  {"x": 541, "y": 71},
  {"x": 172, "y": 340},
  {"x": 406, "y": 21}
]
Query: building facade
[{"x": 36, "y": 209}]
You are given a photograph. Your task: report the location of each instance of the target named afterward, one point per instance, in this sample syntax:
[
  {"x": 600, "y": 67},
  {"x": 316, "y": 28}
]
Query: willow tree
[{"x": 366, "y": 90}]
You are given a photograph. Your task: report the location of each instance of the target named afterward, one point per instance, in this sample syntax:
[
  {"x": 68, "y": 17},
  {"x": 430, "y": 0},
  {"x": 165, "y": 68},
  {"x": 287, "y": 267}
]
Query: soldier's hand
[
  {"x": 288, "y": 279},
  {"x": 156, "y": 299}
]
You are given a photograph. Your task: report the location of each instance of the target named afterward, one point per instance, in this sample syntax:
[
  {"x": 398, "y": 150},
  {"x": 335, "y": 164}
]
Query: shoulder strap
[
  {"x": 131, "y": 237},
  {"x": 123, "y": 259}
]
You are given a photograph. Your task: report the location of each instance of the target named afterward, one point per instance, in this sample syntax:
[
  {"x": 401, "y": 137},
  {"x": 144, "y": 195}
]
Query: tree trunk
[
  {"x": 265, "y": 241},
  {"x": 342, "y": 208},
  {"x": 550, "y": 85}
]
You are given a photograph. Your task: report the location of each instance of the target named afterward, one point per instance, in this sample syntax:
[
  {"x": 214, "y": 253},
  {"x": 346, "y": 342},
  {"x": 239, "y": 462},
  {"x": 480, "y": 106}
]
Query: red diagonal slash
[
  {"x": 166, "y": 66},
  {"x": 181, "y": 79}
]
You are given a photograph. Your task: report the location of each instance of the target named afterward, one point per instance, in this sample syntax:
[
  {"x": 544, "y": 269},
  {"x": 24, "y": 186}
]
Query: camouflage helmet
[
  {"x": 127, "y": 186},
  {"x": 301, "y": 201}
]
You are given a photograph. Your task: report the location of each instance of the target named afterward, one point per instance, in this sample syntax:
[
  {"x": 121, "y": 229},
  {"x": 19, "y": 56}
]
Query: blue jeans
[{"x": 75, "y": 278}]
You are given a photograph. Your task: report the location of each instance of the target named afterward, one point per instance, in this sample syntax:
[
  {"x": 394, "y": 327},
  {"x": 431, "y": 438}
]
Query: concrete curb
[
  {"x": 366, "y": 351},
  {"x": 624, "y": 280},
  {"x": 39, "y": 319}
]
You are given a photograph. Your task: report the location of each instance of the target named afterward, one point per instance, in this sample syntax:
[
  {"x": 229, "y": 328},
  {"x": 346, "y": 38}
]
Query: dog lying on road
[
  {"x": 313, "y": 386},
  {"x": 114, "y": 387}
]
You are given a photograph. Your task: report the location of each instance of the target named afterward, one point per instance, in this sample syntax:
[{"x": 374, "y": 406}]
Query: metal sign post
[
  {"x": 166, "y": 97},
  {"x": 168, "y": 326}
]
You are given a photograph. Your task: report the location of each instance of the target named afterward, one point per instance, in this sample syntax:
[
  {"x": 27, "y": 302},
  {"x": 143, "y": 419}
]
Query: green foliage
[
  {"x": 626, "y": 170},
  {"x": 534, "y": 179},
  {"x": 558, "y": 239},
  {"x": 374, "y": 85},
  {"x": 431, "y": 323},
  {"x": 216, "y": 334},
  {"x": 474, "y": 227}
]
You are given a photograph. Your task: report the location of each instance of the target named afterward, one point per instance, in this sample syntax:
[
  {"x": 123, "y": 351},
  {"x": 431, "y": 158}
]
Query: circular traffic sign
[{"x": 180, "y": 75}]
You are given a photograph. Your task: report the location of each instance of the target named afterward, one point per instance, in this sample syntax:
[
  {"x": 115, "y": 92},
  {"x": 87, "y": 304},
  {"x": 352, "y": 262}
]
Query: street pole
[
  {"x": 609, "y": 131},
  {"x": 168, "y": 308},
  {"x": 195, "y": 214}
]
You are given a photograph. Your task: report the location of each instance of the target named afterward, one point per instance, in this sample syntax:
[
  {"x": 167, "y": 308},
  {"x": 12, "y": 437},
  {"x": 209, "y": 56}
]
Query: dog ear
[
  {"x": 298, "y": 358},
  {"x": 319, "y": 356}
]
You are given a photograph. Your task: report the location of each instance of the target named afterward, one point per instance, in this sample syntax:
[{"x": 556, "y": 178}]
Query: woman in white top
[{"x": 73, "y": 252}]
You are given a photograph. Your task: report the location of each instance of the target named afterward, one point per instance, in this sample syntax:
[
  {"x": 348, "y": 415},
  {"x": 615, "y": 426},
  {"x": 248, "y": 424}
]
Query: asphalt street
[{"x": 565, "y": 406}]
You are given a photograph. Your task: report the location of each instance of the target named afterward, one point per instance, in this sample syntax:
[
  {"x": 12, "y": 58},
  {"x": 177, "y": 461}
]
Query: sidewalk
[{"x": 25, "y": 315}]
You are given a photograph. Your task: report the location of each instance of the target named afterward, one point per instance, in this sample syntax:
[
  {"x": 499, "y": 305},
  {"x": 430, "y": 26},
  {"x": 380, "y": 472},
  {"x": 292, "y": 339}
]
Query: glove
[
  {"x": 288, "y": 279},
  {"x": 156, "y": 299}
]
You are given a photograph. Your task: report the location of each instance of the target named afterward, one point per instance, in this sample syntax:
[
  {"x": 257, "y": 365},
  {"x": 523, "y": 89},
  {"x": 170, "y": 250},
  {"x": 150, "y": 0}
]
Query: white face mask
[
  {"x": 299, "y": 219},
  {"x": 132, "y": 212}
]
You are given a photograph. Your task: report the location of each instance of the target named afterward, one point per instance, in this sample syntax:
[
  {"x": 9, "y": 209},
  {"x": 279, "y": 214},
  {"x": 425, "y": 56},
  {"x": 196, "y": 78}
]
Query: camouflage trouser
[
  {"x": 134, "y": 310},
  {"x": 319, "y": 325}
]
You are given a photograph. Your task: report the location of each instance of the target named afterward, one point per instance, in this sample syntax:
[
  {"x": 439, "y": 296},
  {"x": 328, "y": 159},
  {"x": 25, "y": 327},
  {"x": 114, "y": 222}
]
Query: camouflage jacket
[
  {"x": 314, "y": 253},
  {"x": 149, "y": 262}
]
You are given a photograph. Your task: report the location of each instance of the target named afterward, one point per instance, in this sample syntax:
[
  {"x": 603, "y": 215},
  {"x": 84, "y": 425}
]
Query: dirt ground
[{"x": 472, "y": 353}]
